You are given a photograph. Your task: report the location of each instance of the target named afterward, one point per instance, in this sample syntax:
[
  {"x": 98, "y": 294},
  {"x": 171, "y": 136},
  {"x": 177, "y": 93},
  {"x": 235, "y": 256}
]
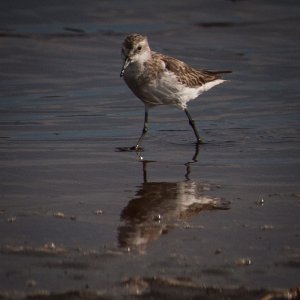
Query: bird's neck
[{"x": 143, "y": 58}]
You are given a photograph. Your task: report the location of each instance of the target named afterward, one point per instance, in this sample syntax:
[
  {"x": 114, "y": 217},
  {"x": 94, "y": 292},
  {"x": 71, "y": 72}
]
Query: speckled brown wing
[{"x": 185, "y": 73}]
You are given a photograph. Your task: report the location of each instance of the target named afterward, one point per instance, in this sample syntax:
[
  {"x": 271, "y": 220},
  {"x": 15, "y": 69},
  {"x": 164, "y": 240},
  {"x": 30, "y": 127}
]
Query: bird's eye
[{"x": 139, "y": 48}]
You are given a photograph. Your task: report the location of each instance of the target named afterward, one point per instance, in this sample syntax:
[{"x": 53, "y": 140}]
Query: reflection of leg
[
  {"x": 195, "y": 157},
  {"x": 145, "y": 129},
  {"x": 194, "y": 160},
  {"x": 145, "y": 171},
  {"x": 192, "y": 123}
]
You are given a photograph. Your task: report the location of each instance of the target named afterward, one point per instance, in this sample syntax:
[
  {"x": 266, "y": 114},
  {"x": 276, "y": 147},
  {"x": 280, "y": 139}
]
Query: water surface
[{"x": 79, "y": 214}]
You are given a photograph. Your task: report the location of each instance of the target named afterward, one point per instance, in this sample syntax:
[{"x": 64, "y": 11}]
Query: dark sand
[{"x": 82, "y": 219}]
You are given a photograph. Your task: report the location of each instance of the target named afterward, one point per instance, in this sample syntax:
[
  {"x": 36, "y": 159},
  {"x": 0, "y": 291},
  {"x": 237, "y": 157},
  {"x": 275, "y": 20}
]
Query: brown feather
[{"x": 185, "y": 73}]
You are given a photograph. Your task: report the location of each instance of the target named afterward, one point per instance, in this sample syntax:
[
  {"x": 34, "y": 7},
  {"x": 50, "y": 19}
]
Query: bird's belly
[
  {"x": 162, "y": 90},
  {"x": 168, "y": 93}
]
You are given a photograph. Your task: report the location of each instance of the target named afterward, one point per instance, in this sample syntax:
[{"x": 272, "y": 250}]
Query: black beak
[{"x": 126, "y": 64}]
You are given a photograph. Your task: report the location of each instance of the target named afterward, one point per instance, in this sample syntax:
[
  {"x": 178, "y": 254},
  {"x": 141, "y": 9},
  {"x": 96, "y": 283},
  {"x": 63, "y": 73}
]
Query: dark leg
[
  {"x": 145, "y": 129},
  {"x": 192, "y": 123}
]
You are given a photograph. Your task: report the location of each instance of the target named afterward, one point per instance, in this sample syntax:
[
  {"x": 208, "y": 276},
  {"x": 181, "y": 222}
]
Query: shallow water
[{"x": 79, "y": 213}]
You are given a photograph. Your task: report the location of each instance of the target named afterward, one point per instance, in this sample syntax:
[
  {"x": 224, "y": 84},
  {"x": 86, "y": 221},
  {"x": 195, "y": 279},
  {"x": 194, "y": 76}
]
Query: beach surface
[{"x": 82, "y": 217}]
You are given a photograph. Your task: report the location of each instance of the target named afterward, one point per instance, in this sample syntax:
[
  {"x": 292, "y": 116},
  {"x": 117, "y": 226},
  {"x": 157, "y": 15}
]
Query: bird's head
[{"x": 135, "y": 49}]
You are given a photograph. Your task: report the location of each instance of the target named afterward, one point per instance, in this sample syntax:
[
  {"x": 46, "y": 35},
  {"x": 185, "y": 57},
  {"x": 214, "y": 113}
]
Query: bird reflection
[{"x": 158, "y": 206}]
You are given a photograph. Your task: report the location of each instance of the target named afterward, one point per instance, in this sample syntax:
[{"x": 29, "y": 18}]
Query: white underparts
[{"x": 167, "y": 90}]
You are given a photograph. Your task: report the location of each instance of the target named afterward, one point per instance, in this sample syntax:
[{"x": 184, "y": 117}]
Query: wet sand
[{"x": 80, "y": 218}]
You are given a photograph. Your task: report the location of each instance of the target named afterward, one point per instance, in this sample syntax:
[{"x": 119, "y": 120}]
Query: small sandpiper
[{"x": 158, "y": 79}]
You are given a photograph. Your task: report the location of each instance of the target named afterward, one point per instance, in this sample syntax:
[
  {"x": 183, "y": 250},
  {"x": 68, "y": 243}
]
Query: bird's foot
[
  {"x": 200, "y": 142},
  {"x": 137, "y": 148}
]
